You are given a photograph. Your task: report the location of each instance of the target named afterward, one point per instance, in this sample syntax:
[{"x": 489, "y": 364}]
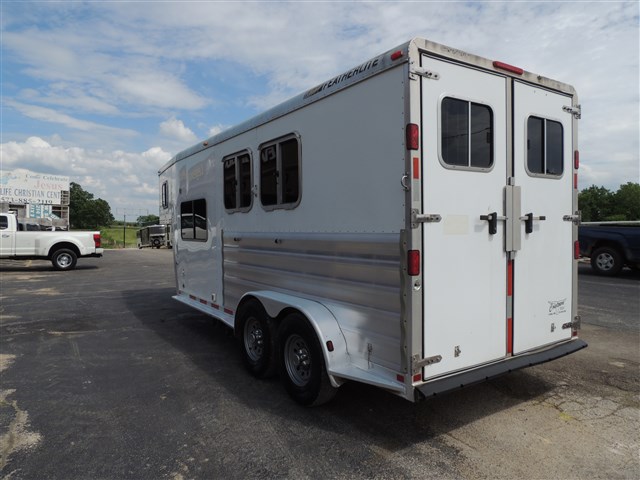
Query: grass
[{"x": 112, "y": 237}]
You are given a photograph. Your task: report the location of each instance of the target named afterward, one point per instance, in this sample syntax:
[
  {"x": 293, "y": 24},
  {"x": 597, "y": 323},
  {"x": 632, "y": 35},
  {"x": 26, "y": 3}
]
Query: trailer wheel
[
  {"x": 302, "y": 367},
  {"x": 606, "y": 261},
  {"x": 64, "y": 259},
  {"x": 257, "y": 335}
]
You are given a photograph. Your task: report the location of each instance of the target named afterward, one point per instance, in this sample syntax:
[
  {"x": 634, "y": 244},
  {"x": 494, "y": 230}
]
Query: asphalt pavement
[{"x": 104, "y": 376}]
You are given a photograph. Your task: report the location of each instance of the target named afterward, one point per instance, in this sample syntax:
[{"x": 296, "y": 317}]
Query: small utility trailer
[{"x": 409, "y": 224}]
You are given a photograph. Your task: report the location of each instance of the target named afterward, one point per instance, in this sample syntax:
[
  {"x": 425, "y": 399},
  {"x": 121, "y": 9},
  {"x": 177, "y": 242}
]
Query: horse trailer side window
[
  {"x": 280, "y": 173},
  {"x": 467, "y": 134},
  {"x": 237, "y": 182},
  {"x": 193, "y": 220},
  {"x": 544, "y": 147},
  {"x": 165, "y": 194}
]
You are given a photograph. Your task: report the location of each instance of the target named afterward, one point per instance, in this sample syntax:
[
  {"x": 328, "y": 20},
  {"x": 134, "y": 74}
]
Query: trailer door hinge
[
  {"x": 417, "y": 218},
  {"x": 575, "y": 325},
  {"x": 575, "y": 111},
  {"x": 423, "y": 72},
  {"x": 417, "y": 363},
  {"x": 573, "y": 218}
]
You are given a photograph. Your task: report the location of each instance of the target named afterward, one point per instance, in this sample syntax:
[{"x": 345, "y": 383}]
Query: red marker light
[
  {"x": 413, "y": 263},
  {"x": 576, "y": 159},
  {"x": 576, "y": 250},
  {"x": 396, "y": 55},
  {"x": 508, "y": 68},
  {"x": 412, "y": 136}
]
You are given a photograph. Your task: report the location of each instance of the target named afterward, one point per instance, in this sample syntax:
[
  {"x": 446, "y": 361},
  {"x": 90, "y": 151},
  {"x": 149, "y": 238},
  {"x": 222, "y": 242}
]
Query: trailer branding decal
[
  {"x": 557, "y": 307},
  {"x": 345, "y": 76}
]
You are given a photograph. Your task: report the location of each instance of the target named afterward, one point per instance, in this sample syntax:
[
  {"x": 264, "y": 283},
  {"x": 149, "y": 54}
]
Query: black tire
[
  {"x": 257, "y": 336},
  {"x": 64, "y": 259},
  {"x": 301, "y": 362},
  {"x": 606, "y": 261}
]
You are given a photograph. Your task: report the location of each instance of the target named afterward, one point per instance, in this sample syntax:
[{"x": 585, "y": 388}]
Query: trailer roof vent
[{"x": 508, "y": 68}]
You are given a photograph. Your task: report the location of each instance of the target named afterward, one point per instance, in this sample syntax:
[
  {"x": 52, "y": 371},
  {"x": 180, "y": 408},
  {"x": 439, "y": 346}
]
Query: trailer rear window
[
  {"x": 544, "y": 147},
  {"x": 467, "y": 134},
  {"x": 193, "y": 220},
  {"x": 237, "y": 182},
  {"x": 280, "y": 173}
]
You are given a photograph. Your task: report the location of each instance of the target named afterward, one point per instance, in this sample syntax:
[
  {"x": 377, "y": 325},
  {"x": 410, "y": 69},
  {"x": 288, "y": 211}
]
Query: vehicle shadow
[
  {"x": 358, "y": 410},
  {"x": 24, "y": 267}
]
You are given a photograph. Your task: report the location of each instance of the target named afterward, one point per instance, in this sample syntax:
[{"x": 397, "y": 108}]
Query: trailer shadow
[{"x": 365, "y": 413}]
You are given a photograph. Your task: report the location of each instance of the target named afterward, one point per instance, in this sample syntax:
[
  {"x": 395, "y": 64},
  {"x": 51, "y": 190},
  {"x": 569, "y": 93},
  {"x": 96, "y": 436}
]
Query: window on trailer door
[
  {"x": 544, "y": 147},
  {"x": 280, "y": 173},
  {"x": 193, "y": 220},
  {"x": 467, "y": 134}
]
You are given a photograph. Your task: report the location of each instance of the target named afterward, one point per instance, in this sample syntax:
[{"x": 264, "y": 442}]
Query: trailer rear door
[
  {"x": 543, "y": 266},
  {"x": 464, "y": 135},
  {"x": 493, "y": 286}
]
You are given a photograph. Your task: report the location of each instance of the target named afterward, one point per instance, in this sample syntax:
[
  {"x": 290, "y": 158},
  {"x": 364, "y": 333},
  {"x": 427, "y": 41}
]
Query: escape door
[{"x": 464, "y": 141}]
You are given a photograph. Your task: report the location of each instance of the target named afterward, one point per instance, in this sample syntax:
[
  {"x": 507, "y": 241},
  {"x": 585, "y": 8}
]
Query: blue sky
[{"x": 107, "y": 92}]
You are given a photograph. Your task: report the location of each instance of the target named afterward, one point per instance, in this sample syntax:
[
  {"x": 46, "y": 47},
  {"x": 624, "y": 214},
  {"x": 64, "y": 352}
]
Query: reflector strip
[
  {"x": 193, "y": 297},
  {"x": 510, "y": 335},
  {"x": 576, "y": 159},
  {"x": 204, "y": 302},
  {"x": 510, "y": 278},
  {"x": 416, "y": 168},
  {"x": 417, "y": 377},
  {"x": 576, "y": 250},
  {"x": 575, "y": 181},
  {"x": 228, "y": 311},
  {"x": 400, "y": 378}
]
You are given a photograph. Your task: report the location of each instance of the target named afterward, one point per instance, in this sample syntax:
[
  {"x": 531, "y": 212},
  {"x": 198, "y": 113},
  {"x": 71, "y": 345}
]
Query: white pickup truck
[{"x": 62, "y": 248}]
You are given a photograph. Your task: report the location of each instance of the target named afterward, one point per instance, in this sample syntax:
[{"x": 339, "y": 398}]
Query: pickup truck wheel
[
  {"x": 257, "y": 340},
  {"x": 64, "y": 259},
  {"x": 302, "y": 367},
  {"x": 606, "y": 261}
]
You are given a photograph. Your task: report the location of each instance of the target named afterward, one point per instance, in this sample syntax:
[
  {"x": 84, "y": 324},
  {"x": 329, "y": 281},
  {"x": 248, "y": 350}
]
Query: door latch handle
[
  {"x": 492, "y": 218},
  {"x": 528, "y": 221}
]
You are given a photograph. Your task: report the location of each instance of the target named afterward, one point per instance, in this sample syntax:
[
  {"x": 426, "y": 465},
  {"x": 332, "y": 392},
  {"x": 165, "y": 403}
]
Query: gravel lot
[{"x": 103, "y": 375}]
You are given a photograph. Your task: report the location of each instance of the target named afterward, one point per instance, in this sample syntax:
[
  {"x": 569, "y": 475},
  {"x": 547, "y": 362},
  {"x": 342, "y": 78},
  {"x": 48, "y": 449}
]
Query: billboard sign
[{"x": 25, "y": 187}]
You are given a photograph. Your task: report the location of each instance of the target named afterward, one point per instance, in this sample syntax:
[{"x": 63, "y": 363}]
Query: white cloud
[
  {"x": 216, "y": 129},
  {"x": 53, "y": 116},
  {"x": 176, "y": 129},
  {"x": 124, "y": 179}
]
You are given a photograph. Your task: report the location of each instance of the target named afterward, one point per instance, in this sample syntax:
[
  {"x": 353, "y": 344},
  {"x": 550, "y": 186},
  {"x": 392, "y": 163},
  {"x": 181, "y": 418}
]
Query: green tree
[
  {"x": 595, "y": 203},
  {"x": 85, "y": 211},
  {"x": 627, "y": 201},
  {"x": 148, "y": 220}
]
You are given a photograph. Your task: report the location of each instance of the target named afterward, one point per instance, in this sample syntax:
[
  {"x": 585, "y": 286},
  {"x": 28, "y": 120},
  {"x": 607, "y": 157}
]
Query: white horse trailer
[{"x": 409, "y": 224}]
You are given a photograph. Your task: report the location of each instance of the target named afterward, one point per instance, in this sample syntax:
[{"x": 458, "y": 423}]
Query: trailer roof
[{"x": 389, "y": 59}]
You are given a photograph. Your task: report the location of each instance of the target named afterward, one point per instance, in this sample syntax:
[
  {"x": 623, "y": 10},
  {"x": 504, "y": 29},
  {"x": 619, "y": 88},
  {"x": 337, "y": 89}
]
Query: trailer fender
[{"x": 332, "y": 341}]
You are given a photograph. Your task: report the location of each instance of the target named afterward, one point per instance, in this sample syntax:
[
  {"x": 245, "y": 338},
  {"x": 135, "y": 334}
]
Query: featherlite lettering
[{"x": 345, "y": 76}]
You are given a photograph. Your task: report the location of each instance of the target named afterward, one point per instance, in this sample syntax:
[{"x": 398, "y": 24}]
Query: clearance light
[
  {"x": 508, "y": 68},
  {"x": 576, "y": 250},
  {"x": 396, "y": 55},
  {"x": 576, "y": 159},
  {"x": 412, "y": 136},
  {"x": 413, "y": 263}
]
